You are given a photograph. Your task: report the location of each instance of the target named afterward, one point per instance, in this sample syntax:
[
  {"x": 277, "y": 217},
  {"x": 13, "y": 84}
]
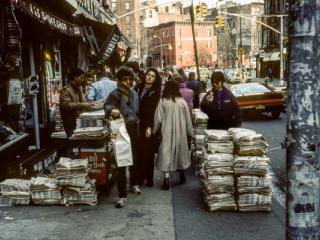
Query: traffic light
[
  {"x": 221, "y": 22},
  {"x": 199, "y": 11},
  {"x": 204, "y": 11},
  {"x": 217, "y": 21}
]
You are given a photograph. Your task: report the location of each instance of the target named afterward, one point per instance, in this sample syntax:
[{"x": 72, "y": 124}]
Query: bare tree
[{"x": 303, "y": 126}]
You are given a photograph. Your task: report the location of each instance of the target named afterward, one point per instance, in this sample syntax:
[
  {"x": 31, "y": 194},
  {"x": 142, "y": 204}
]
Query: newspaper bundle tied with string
[{"x": 121, "y": 143}]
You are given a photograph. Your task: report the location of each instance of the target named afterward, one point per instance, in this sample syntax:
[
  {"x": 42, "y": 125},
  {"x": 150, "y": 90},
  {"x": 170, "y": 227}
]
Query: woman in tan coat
[{"x": 172, "y": 117}]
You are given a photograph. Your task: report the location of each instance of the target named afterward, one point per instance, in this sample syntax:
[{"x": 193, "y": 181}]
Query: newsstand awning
[{"x": 103, "y": 38}]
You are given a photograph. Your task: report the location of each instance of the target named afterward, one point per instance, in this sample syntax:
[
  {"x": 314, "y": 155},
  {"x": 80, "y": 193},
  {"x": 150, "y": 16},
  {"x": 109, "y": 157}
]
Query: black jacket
[
  {"x": 223, "y": 112},
  {"x": 148, "y": 104}
]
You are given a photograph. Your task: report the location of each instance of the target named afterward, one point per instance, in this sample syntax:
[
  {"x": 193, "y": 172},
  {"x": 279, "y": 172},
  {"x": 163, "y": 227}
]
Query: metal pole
[
  {"x": 240, "y": 30},
  {"x": 281, "y": 52},
  {"x": 194, "y": 41},
  {"x": 34, "y": 100},
  {"x": 303, "y": 125}
]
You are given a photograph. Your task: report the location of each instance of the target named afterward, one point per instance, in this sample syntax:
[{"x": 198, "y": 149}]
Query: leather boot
[
  {"x": 182, "y": 176},
  {"x": 166, "y": 184}
]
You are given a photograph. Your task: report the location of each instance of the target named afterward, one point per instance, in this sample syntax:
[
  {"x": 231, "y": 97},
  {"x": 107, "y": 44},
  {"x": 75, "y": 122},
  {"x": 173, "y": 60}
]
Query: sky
[{"x": 210, "y": 3}]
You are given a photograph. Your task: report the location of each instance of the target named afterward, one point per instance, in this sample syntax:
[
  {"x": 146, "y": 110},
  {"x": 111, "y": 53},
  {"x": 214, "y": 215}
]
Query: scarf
[{"x": 125, "y": 91}]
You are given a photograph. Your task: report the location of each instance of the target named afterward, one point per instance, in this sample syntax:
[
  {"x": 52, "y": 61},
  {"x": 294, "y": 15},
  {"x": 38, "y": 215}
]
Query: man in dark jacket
[
  {"x": 221, "y": 105},
  {"x": 125, "y": 100},
  {"x": 72, "y": 103},
  {"x": 194, "y": 85}
]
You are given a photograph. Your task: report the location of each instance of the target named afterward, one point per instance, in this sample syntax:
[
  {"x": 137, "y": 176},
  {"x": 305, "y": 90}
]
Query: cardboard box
[{"x": 97, "y": 163}]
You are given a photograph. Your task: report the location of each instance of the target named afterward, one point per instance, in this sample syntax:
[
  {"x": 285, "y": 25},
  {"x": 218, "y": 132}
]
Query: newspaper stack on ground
[
  {"x": 71, "y": 172},
  {"x": 91, "y": 119},
  {"x": 218, "y": 180},
  {"x": 253, "y": 183},
  {"x": 77, "y": 187},
  {"x": 248, "y": 142},
  {"x": 200, "y": 121},
  {"x": 59, "y": 135},
  {"x": 44, "y": 191},
  {"x": 14, "y": 192},
  {"x": 80, "y": 195}
]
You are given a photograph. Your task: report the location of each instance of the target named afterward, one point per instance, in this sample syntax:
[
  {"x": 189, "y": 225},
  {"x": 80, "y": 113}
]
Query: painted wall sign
[
  {"x": 42, "y": 16},
  {"x": 91, "y": 7}
]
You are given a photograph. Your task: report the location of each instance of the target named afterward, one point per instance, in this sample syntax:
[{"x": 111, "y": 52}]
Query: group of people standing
[{"x": 157, "y": 115}]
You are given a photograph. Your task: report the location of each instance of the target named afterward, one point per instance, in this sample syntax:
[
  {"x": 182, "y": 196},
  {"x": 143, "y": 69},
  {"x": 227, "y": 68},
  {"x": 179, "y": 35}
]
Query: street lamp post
[{"x": 161, "y": 55}]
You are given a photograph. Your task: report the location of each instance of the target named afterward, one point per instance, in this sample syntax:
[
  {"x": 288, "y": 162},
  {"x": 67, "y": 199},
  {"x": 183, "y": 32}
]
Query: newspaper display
[
  {"x": 14, "y": 192},
  {"x": 253, "y": 182},
  {"x": 200, "y": 121},
  {"x": 218, "y": 180}
]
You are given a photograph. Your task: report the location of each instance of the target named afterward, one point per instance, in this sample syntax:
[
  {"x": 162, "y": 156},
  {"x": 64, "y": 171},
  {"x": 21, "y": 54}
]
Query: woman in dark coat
[{"x": 149, "y": 94}]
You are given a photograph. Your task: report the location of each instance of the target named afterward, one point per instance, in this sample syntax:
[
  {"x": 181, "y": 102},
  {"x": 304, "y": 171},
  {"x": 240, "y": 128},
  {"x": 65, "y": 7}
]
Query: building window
[
  {"x": 209, "y": 32},
  {"x": 127, "y": 6},
  {"x": 179, "y": 32},
  {"x": 179, "y": 44},
  {"x": 209, "y": 44},
  {"x": 128, "y": 20},
  {"x": 180, "y": 58},
  {"x": 114, "y": 7},
  {"x": 168, "y": 33},
  {"x": 168, "y": 59},
  {"x": 163, "y": 34},
  {"x": 128, "y": 33},
  {"x": 167, "y": 9},
  {"x": 150, "y": 13},
  {"x": 173, "y": 59},
  {"x": 172, "y": 33}
]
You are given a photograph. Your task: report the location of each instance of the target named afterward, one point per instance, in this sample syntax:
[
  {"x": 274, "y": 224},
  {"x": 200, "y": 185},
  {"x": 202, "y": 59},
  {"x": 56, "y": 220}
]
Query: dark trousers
[
  {"x": 70, "y": 145},
  {"x": 135, "y": 173},
  {"x": 121, "y": 181},
  {"x": 147, "y": 156}
]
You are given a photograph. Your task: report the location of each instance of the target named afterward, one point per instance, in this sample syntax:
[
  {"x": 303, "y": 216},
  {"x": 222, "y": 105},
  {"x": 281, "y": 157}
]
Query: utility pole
[
  {"x": 194, "y": 40},
  {"x": 303, "y": 126},
  {"x": 281, "y": 51},
  {"x": 240, "y": 31}
]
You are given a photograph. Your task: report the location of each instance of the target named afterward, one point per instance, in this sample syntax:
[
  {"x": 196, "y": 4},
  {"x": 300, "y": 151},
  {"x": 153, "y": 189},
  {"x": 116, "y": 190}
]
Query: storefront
[{"x": 41, "y": 41}]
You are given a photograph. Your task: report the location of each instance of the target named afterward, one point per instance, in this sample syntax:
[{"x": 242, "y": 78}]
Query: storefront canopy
[
  {"x": 271, "y": 56},
  {"x": 103, "y": 38}
]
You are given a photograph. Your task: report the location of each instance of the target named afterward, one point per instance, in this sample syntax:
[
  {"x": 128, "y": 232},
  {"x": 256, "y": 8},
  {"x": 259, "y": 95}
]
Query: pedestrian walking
[
  {"x": 149, "y": 94},
  {"x": 194, "y": 85},
  {"x": 187, "y": 94},
  {"x": 125, "y": 101},
  {"x": 172, "y": 119},
  {"x": 182, "y": 74},
  {"x": 72, "y": 103},
  {"x": 269, "y": 74},
  {"x": 101, "y": 88},
  {"x": 220, "y": 105}
]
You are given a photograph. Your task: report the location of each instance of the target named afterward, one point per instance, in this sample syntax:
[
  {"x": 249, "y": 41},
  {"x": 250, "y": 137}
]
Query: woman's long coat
[{"x": 175, "y": 122}]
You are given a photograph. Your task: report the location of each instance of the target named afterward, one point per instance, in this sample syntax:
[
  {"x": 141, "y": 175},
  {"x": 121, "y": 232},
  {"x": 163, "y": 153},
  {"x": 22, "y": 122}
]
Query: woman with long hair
[
  {"x": 172, "y": 117},
  {"x": 149, "y": 94}
]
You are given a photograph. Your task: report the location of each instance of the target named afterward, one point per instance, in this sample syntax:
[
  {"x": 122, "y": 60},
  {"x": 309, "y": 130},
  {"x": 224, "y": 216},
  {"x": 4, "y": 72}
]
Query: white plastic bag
[{"x": 121, "y": 144}]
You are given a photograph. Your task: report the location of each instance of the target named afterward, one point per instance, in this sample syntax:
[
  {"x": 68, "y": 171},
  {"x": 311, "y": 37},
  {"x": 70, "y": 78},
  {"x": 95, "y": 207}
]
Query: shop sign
[
  {"x": 109, "y": 45},
  {"x": 15, "y": 92},
  {"x": 91, "y": 7},
  {"x": 44, "y": 17}
]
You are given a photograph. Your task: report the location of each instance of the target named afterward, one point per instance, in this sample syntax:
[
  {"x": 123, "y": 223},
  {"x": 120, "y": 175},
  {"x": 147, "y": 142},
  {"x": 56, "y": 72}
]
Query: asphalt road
[{"x": 192, "y": 221}]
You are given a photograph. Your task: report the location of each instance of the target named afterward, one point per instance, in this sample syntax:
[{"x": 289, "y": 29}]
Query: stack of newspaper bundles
[
  {"x": 77, "y": 187},
  {"x": 14, "y": 192},
  {"x": 253, "y": 183},
  {"x": 44, "y": 191},
  {"x": 218, "y": 180},
  {"x": 200, "y": 121}
]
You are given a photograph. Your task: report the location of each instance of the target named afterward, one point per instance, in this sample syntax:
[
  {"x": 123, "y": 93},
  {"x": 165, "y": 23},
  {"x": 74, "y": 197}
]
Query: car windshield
[{"x": 249, "y": 89}]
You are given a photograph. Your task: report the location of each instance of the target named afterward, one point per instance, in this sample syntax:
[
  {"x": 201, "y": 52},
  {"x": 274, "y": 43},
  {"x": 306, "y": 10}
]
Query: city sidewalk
[{"x": 154, "y": 215}]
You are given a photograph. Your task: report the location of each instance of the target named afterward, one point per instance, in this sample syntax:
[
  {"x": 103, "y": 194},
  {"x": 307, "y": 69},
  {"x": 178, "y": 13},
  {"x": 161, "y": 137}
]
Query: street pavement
[{"x": 155, "y": 214}]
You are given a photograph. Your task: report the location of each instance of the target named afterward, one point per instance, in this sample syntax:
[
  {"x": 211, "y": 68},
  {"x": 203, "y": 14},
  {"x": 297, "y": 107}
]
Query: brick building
[{"x": 173, "y": 43}]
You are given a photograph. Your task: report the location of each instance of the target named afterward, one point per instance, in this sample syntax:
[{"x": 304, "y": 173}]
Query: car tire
[{"x": 275, "y": 114}]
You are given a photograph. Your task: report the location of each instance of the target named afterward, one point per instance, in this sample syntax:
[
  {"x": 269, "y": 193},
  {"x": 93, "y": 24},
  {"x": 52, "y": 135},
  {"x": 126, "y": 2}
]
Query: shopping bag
[{"x": 121, "y": 144}]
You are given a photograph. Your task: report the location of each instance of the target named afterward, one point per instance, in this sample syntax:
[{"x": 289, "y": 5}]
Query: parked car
[{"x": 257, "y": 97}]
